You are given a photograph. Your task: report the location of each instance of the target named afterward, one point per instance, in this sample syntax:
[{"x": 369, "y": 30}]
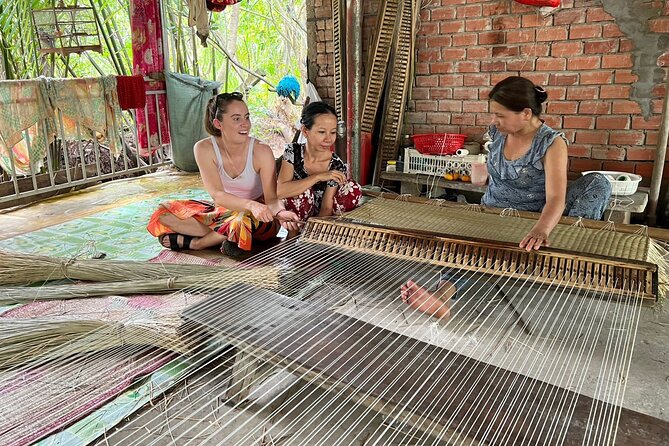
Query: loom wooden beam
[
  {"x": 409, "y": 380},
  {"x": 547, "y": 266}
]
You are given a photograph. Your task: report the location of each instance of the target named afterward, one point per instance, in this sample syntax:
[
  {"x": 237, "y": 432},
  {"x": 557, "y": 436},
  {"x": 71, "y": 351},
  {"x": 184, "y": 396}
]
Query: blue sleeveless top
[{"x": 519, "y": 184}]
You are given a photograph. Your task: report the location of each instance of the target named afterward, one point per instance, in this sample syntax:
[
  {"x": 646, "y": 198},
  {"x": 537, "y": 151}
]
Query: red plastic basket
[{"x": 439, "y": 143}]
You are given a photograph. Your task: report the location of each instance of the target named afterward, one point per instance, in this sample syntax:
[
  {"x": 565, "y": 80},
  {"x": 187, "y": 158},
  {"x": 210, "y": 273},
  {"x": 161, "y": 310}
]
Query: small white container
[{"x": 622, "y": 183}]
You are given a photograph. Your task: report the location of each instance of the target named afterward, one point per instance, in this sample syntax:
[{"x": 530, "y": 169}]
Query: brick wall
[{"x": 580, "y": 53}]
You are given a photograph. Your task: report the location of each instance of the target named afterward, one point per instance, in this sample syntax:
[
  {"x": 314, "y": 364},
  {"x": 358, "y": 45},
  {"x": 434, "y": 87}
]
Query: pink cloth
[{"x": 147, "y": 54}]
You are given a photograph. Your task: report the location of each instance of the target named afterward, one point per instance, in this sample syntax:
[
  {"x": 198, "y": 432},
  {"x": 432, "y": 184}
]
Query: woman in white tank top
[{"x": 239, "y": 174}]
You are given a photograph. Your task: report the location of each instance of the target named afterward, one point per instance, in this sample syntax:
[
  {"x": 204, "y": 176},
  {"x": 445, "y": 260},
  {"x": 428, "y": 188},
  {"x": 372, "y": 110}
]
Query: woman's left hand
[
  {"x": 535, "y": 239},
  {"x": 288, "y": 220}
]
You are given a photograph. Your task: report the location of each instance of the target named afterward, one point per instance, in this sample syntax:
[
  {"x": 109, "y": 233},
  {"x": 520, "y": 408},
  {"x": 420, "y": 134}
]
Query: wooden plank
[{"x": 408, "y": 376}]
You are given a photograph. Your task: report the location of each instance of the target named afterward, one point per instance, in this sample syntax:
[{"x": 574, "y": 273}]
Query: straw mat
[{"x": 467, "y": 223}]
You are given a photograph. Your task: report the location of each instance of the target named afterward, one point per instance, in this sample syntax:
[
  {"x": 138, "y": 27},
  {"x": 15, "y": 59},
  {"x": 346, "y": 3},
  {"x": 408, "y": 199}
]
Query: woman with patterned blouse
[
  {"x": 313, "y": 179},
  {"x": 527, "y": 170}
]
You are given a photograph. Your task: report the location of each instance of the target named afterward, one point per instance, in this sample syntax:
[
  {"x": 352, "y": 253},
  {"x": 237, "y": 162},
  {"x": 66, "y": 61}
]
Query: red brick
[
  {"x": 453, "y": 54},
  {"x": 611, "y": 30},
  {"x": 620, "y": 166},
  {"x": 477, "y": 53},
  {"x": 478, "y": 25},
  {"x": 491, "y": 37},
  {"x": 441, "y": 93},
  {"x": 566, "y": 49},
  {"x": 592, "y": 137},
  {"x": 535, "y": 50},
  {"x": 624, "y": 107},
  {"x": 535, "y": 20},
  {"x": 638, "y": 122},
  {"x": 659, "y": 91},
  {"x": 599, "y": 77},
  {"x": 598, "y": 15},
  {"x": 429, "y": 55},
  {"x": 582, "y": 93},
  {"x": 579, "y": 150},
  {"x": 652, "y": 138},
  {"x": 552, "y": 34},
  {"x": 500, "y": 76},
  {"x": 438, "y": 118},
  {"x": 450, "y": 27},
  {"x": 520, "y": 65},
  {"x": 656, "y": 106},
  {"x": 584, "y": 165},
  {"x": 626, "y": 45},
  {"x": 567, "y": 16},
  {"x": 585, "y": 32},
  {"x": 601, "y": 46},
  {"x": 557, "y": 93},
  {"x": 483, "y": 119},
  {"x": 562, "y": 107},
  {"x": 495, "y": 9},
  {"x": 537, "y": 78},
  {"x": 630, "y": 137},
  {"x": 506, "y": 22},
  {"x": 505, "y": 51},
  {"x": 613, "y": 122},
  {"x": 476, "y": 79},
  {"x": 520, "y": 36},
  {"x": 469, "y": 11},
  {"x": 446, "y": 129},
  {"x": 440, "y": 14},
  {"x": 423, "y": 128},
  {"x": 579, "y": 122},
  {"x": 424, "y": 106},
  {"x": 453, "y": 2},
  {"x": 614, "y": 91},
  {"x": 467, "y": 120},
  {"x": 663, "y": 60},
  {"x": 473, "y": 66},
  {"x": 608, "y": 153},
  {"x": 584, "y": 63},
  {"x": 659, "y": 25},
  {"x": 420, "y": 93},
  {"x": 422, "y": 68},
  {"x": 569, "y": 135},
  {"x": 475, "y": 107},
  {"x": 594, "y": 107},
  {"x": 435, "y": 42},
  {"x": 617, "y": 61},
  {"x": 641, "y": 154},
  {"x": 646, "y": 171},
  {"x": 429, "y": 29},
  {"x": 551, "y": 64},
  {"x": 465, "y": 93},
  {"x": 427, "y": 81},
  {"x": 465, "y": 39},
  {"x": 414, "y": 117},
  {"x": 442, "y": 67},
  {"x": 497, "y": 65},
  {"x": 553, "y": 121},
  {"x": 451, "y": 80},
  {"x": 563, "y": 79}
]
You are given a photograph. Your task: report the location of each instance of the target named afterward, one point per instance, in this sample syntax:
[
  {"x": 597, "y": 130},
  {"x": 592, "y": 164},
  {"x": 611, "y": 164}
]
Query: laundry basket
[{"x": 622, "y": 183}]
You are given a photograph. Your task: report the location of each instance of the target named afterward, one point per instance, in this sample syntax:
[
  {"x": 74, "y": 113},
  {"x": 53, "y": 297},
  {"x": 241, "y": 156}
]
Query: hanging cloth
[
  {"x": 131, "y": 92},
  {"x": 199, "y": 17},
  {"x": 219, "y": 5}
]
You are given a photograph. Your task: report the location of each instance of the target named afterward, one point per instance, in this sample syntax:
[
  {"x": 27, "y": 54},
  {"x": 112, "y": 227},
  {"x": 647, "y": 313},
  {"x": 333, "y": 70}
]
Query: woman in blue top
[{"x": 527, "y": 170}]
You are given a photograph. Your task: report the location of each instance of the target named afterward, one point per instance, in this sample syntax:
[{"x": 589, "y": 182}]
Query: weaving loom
[{"x": 537, "y": 349}]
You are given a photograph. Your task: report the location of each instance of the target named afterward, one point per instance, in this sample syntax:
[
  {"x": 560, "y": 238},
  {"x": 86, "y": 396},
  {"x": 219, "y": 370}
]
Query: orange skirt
[{"x": 238, "y": 227}]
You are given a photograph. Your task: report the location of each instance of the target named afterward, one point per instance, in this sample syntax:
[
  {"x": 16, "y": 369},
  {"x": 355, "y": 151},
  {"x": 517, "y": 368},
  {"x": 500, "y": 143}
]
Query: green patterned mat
[{"x": 120, "y": 233}]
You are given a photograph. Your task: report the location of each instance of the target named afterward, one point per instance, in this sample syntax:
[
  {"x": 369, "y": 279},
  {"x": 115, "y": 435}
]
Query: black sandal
[{"x": 173, "y": 238}]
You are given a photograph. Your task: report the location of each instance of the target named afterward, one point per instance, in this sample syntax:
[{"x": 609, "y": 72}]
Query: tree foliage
[{"x": 252, "y": 45}]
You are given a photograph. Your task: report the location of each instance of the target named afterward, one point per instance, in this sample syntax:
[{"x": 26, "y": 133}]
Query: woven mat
[{"x": 469, "y": 223}]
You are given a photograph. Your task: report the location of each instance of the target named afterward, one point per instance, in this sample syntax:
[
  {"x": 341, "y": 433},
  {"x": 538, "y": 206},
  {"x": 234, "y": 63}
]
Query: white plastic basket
[
  {"x": 622, "y": 183},
  {"x": 416, "y": 162}
]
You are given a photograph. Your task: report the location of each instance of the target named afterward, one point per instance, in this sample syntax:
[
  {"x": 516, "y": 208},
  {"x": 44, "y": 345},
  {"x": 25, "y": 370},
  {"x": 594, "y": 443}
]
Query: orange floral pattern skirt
[{"x": 238, "y": 227}]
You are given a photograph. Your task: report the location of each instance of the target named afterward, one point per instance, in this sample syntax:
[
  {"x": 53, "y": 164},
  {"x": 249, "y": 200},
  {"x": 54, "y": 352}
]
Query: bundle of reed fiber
[
  {"x": 264, "y": 277},
  {"x": 19, "y": 268},
  {"x": 25, "y": 340}
]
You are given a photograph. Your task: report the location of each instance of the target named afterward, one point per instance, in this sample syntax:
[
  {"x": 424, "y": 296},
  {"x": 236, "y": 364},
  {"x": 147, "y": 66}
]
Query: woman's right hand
[
  {"x": 260, "y": 211},
  {"x": 332, "y": 175}
]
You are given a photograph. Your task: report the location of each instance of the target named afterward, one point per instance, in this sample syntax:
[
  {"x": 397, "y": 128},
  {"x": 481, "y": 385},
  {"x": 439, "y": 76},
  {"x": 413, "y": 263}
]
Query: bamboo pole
[{"x": 658, "y": 165}]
